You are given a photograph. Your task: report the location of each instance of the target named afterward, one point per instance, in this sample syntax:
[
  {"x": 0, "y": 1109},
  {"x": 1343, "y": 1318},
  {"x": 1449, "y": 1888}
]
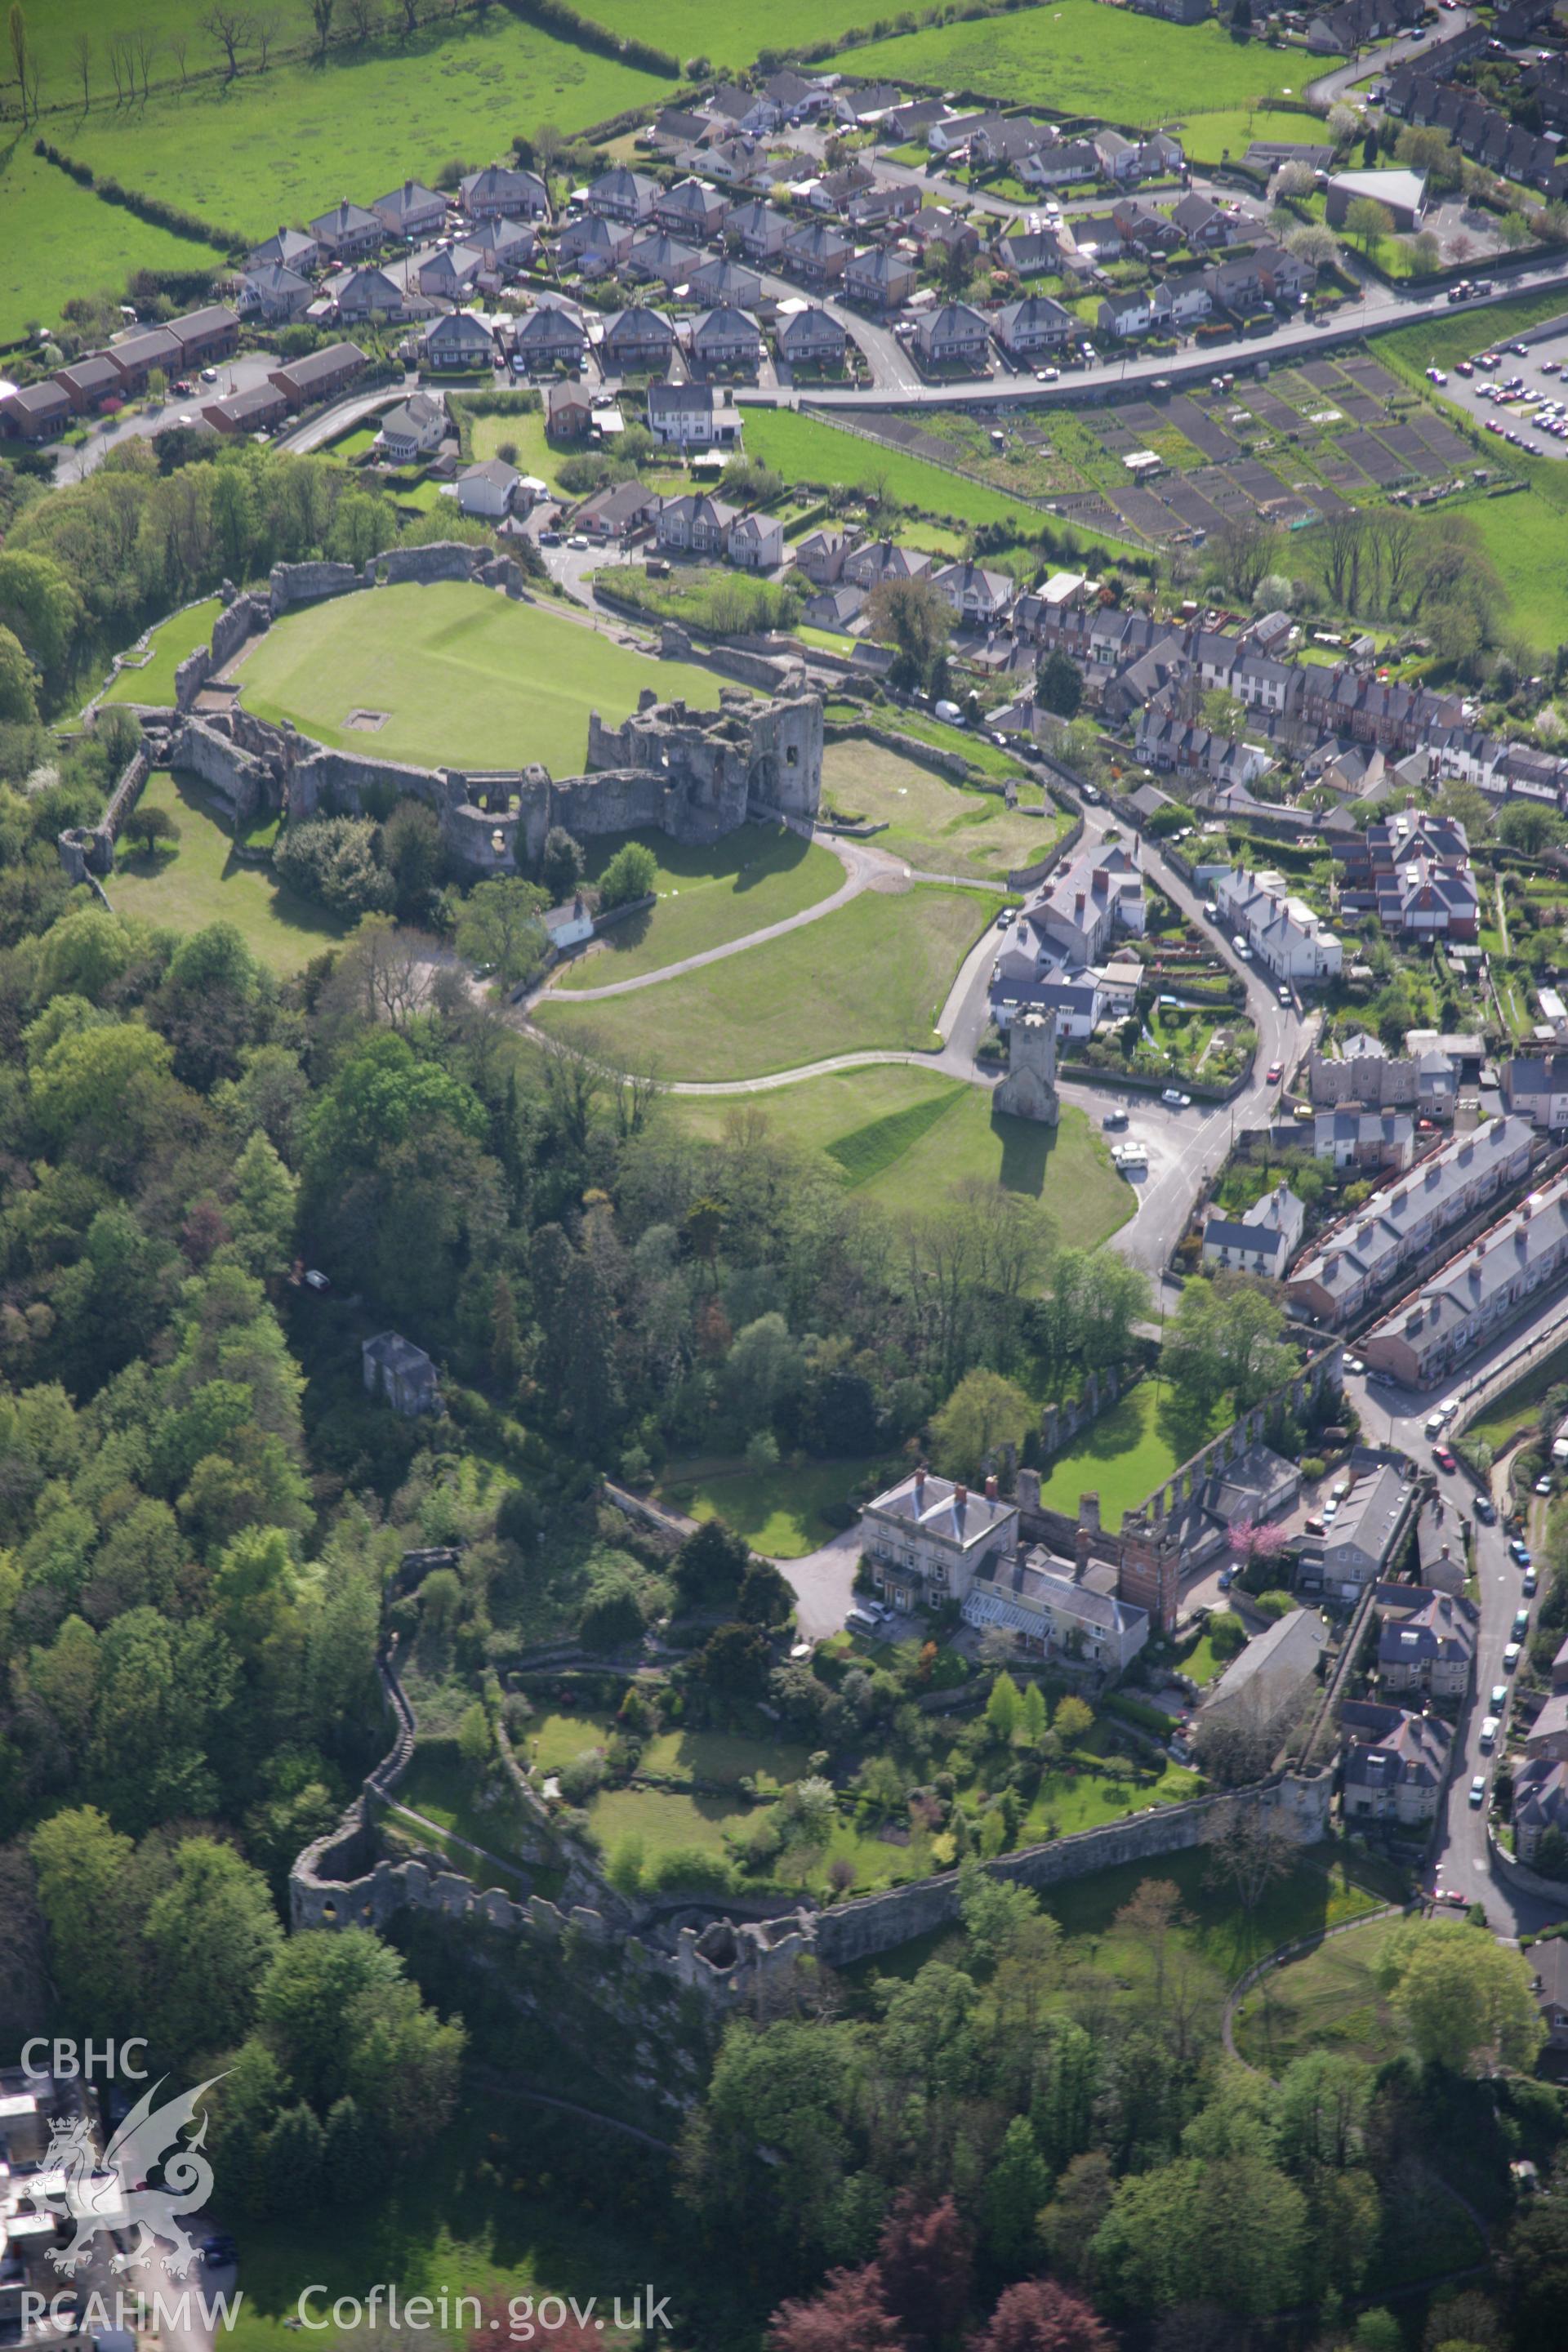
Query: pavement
[{"x": 1381, "y": 61}]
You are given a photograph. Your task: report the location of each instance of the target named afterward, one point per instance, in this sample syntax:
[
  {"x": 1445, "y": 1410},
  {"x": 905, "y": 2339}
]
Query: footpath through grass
[
  {"x": 873, "y": 975},
  {"x": 201, "y": 882},
  {"x": 907, "y": 1138},
  {"x": 176, "y": 637},
  {"x": 461, "y": 675},
  {"x": 707, "y": 896}
]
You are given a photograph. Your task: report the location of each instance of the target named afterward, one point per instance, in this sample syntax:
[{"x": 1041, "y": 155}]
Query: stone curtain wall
[{"x": 880, "y": 1922}]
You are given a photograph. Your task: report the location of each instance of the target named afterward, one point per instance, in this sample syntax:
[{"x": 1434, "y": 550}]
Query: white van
[
  {"x": 1434, "y": 1425},
  {"x": 1491, "y": 1726},
  {"x": 859, "y": 1622},
  {"x": 1242, "y": 949}
]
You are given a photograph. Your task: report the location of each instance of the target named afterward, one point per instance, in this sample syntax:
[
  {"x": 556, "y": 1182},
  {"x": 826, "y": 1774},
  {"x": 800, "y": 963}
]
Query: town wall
[
  {"x": 239, "y": 777},
  {"x": 444, "y": 559},
  {"x": 191, "y": 676},
  {"x": 858, "y": 1931},
  {"x": 236, "y": 622}
]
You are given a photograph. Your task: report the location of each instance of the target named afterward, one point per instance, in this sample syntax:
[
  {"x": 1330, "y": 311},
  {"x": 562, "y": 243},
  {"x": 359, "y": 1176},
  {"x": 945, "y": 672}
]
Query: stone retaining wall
[{"x": 1519, "y": 1876}]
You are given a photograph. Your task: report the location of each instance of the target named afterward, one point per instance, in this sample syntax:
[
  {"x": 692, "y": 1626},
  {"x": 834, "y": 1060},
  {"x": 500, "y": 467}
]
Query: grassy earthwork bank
[
  {"x": 905, "y": 1137},
  {"x": 873, "y": 974},
  {"x": 170, "y": 643},
  {"x": 200, "y": 881},
  {"x": 1327, "y": 1999},
  {"x": 707, "y": 897},
  {"x": 1082, "y": 59},
  {"x": 1519, "y": 1407},
  {"x": 462, "y": 675}
]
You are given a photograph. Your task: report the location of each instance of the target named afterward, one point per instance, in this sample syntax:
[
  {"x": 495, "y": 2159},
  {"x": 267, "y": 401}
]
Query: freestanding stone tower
[{"x": 1029, "y": 1088}]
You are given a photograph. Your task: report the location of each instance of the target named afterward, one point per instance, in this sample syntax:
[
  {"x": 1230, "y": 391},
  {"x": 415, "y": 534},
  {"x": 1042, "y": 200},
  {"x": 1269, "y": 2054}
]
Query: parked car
[
  {"x": 1354, "y": 1364},
  {"x": 1510, "y": 1657},
  {"x": 1489, "y": 1728},
  {"x": 317, "y": 1281},
  {"x": 1528, "y": 1587},
  {"x": 1443, "y": 1457},
  {"x": 1114, "y": 1118},
  {"x": 1520, "y": 1625},
  {"x": 1486, "y": 1510},
  {"x": 1177, "y": 1099},
  {"x": 1543, "y": 1484},
  {"x": 1518, "y": 1550},
  {"x": 1227, "y": 1578},
  {"x": 1478, "y": 1790},
  {"x": 1499, "y": 1699}
]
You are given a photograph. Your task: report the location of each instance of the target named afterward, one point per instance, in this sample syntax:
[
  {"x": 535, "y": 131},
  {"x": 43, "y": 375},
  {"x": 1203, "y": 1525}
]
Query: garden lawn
[
  {"x": 171, "y": 641},
  {"x": 707, "y": 896},
  {"x": 1123, "y": 1455},
  {"x": 467, "y": 677},
  {"x": 1328, "y": 2000},
  {"x": 202, "y": 883},
  {"x": 805, "y": 449},
  {"x": 780, "y": 1512},
  {"x": 907, "y": 1136},
  {"x": 286, "y": 144},
  {"x": 1080, "y": 58},
  {"x": 61, "y": 239},
  {"x": 1209, "y": 137},
  {"x": 664, "y": 1819},
  {"x": 873, "y": 974},
  {"x": 935, "y": 824},
  {"x": 1067, "y": 1802}
]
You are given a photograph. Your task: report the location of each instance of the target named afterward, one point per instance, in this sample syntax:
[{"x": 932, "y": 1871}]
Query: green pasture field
[
  {"x": 875, "y": 973},
  {"x": 1527, "y": 538},
  {"x": 60, "y": 239},
  {"x": 285, "y": 144},
  {"x": 907, "y": 1136},
  {"x": 1123, "y": 1455},
  {"x": 171, "y": 641},
  {"x": 1460, "y": 333},
  {"x": 467, "y": 677},
  {"x": 202, "y": 883},
  {"x": 805, "y": 449},
  {"x": 936, "y": 824},
  {"x": 707, "y": 896},
  {"x": 1080, "y": 58},
  {"x": 711, "y": 29},
  {"x": 780, "y": 1512},
  {"x": 1327, "y": 1999}
]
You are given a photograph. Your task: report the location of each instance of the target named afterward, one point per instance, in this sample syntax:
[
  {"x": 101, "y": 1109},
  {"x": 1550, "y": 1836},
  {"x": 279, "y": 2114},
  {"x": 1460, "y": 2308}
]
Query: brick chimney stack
[
  {"x": 991, "y": 1487},
  {"x": 1080, "y": 1550}
]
